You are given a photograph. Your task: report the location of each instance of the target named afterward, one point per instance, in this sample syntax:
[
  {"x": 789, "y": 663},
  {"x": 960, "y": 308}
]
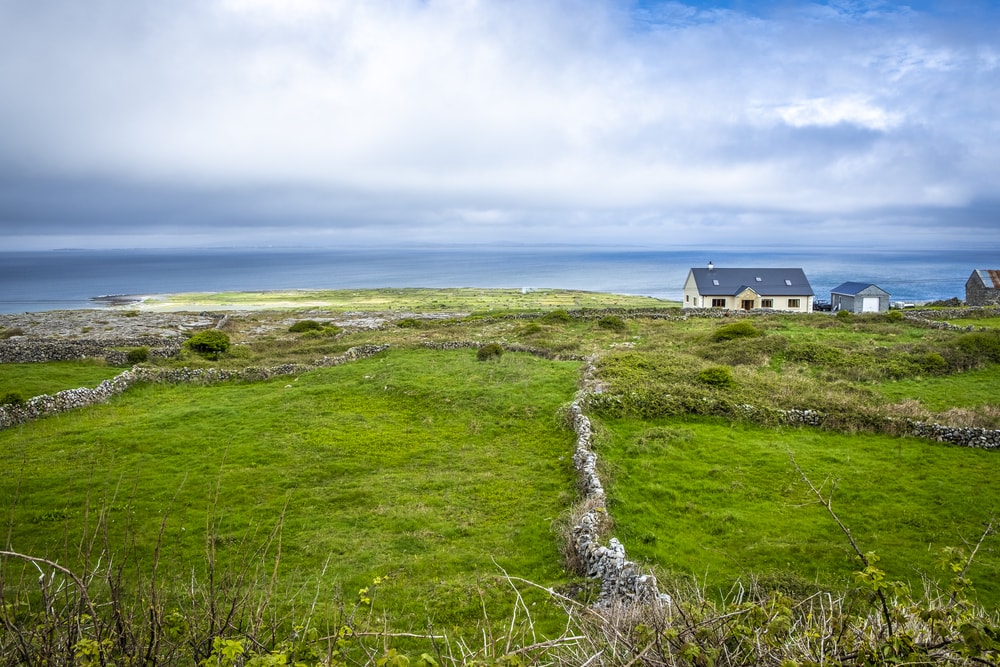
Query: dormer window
[
  {"x": 788, "y": 282},
  {"x": 715, "y": 282},
  {"x": 759, "y": 279}
]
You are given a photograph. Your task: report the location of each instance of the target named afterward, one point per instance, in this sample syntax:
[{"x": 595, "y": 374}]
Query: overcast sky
[{"x": 660, "y": 124}]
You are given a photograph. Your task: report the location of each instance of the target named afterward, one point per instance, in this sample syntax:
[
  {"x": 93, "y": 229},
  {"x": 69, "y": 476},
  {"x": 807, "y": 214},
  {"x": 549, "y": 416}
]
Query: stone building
[{"x": 983, "y": 288}]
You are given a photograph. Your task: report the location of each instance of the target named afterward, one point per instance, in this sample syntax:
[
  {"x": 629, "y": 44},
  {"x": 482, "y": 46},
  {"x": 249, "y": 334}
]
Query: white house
[{"x": 746, "y": 289}]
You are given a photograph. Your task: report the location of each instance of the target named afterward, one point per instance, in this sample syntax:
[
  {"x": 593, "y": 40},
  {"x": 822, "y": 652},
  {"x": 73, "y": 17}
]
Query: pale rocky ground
[{"x": 118, "y": 322}]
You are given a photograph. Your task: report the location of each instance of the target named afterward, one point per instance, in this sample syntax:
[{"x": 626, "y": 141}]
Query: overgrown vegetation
[
  {"x": 29, "y": 380},
  {"x": 489, "y": 352}
]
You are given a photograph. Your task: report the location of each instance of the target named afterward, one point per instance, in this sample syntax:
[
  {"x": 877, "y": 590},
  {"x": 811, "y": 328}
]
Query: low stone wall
[
  {"x": 21, "y": 350},
  {"x": 979, "y": 438},
  {"x": 45, "y": 405},
  {"x": 621, "y": 579}
]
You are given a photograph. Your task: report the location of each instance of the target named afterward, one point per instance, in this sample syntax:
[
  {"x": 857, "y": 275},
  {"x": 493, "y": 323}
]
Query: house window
[
  {"x": 718, "y": 303},
  {"x": 715, "y": 281},
  {"x": 788, "y": 282},
  {"x": 793, "y": 303},
  {"x": 767, "y": 303}
]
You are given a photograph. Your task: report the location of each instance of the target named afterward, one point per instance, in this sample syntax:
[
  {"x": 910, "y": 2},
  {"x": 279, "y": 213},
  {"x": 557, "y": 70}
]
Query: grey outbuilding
[{"x": 859, "y": 298}]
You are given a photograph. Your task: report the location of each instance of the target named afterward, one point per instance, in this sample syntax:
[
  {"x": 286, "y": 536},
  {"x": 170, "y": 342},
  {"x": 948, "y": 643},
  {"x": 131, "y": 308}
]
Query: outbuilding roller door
[{"x": 869, "y": 304}]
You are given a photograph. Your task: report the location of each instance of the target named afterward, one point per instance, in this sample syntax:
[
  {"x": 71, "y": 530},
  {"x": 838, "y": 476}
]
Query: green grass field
[
  {"x": 441, "y": 472},
  {"x": 721, "y": 502},
  {"x": 430, "y": 467},
  {"x": 29, "y": 380},
  {"x": 965, "y": 390}
]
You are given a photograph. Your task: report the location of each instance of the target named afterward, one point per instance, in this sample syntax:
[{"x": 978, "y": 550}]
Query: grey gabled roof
[
  {"x": 853, "y": 289},
  {"x": 766, "y": 282}
]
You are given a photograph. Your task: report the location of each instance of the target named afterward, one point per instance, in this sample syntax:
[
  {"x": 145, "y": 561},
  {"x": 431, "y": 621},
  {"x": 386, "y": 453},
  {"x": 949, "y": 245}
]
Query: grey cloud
[{"x": 660, "y": 120}]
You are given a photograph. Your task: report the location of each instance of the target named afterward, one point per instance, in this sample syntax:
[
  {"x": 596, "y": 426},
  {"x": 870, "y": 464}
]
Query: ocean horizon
[{"x": 43, "y": 280}]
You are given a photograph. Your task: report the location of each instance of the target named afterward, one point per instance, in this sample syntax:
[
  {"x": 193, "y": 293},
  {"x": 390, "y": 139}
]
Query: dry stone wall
[
  {"x": 20, "y": 350},
  {"x": 621, "y": 580}
]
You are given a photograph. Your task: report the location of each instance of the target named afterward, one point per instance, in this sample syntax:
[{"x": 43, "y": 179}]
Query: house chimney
[{"x": 710, "y": 265}]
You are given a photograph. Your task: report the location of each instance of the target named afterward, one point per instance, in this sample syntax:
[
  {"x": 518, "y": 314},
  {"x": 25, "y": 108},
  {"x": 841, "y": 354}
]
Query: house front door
[{"x": 747, "y": 304}]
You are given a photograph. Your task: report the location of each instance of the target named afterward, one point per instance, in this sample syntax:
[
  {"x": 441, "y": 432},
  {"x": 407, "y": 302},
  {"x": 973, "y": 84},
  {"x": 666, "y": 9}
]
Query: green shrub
[
  {"x": 741, "y": 329},
  {"x": 931, "y": 362},
  {"x": 137, "y": 355},
  {"x": 489, "y": 351},
  {"x": 12, "y": 398},
  {"x": 303, "y": 326},
  {"x": 844, "y": 315},
  {"x": 894, "y": 316},
  {"x": 612, "y": 323},
  {"x": 717, "y": 376},
  {"x": 556, "y": 316},
  {"x": 10, "y": 333},
  {"x": 328, "y": 330},
  {"x": 531, "y": 328},
  {"x": 210, "y": 343},
  {"x": 973, "y": 350}
]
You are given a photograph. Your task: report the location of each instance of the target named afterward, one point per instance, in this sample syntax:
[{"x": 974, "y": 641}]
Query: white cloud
[{"x": 827, "y": 112}]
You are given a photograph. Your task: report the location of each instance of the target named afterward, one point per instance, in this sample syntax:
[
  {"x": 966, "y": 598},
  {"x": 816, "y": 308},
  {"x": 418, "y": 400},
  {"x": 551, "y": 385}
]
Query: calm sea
[{"x": 70, "y": 279}]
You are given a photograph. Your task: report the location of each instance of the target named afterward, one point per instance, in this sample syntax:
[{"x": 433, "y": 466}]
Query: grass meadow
[
  {"x": 972, "y": 389},
  {"x": 721, "y": 503},
  {"x": 27, "y": 380},
  {"x": 430, "y": 468}
]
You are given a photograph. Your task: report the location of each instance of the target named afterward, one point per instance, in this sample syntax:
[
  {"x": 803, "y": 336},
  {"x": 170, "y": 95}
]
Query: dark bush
[
  {"x": 741, "y": 329},
  {"x": 612, "y": 323},
  {"x": 489, "y": 351},
  {"x": 305, "y": 325},
  {"x": 931, "y": 362},
  {"x": 328, "y": 330},
  {"x": 137, "y": 355},
  {"x": 210, "y": 343},
  {"x": 717, "y": 376},
  {"x": 555, "y": 316},
  {"x": 844, "y": 315},
  {"x": 953, "y": 302},
  {"x": 531, "y": 328},
  {"x": 12, "y": 398}
]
